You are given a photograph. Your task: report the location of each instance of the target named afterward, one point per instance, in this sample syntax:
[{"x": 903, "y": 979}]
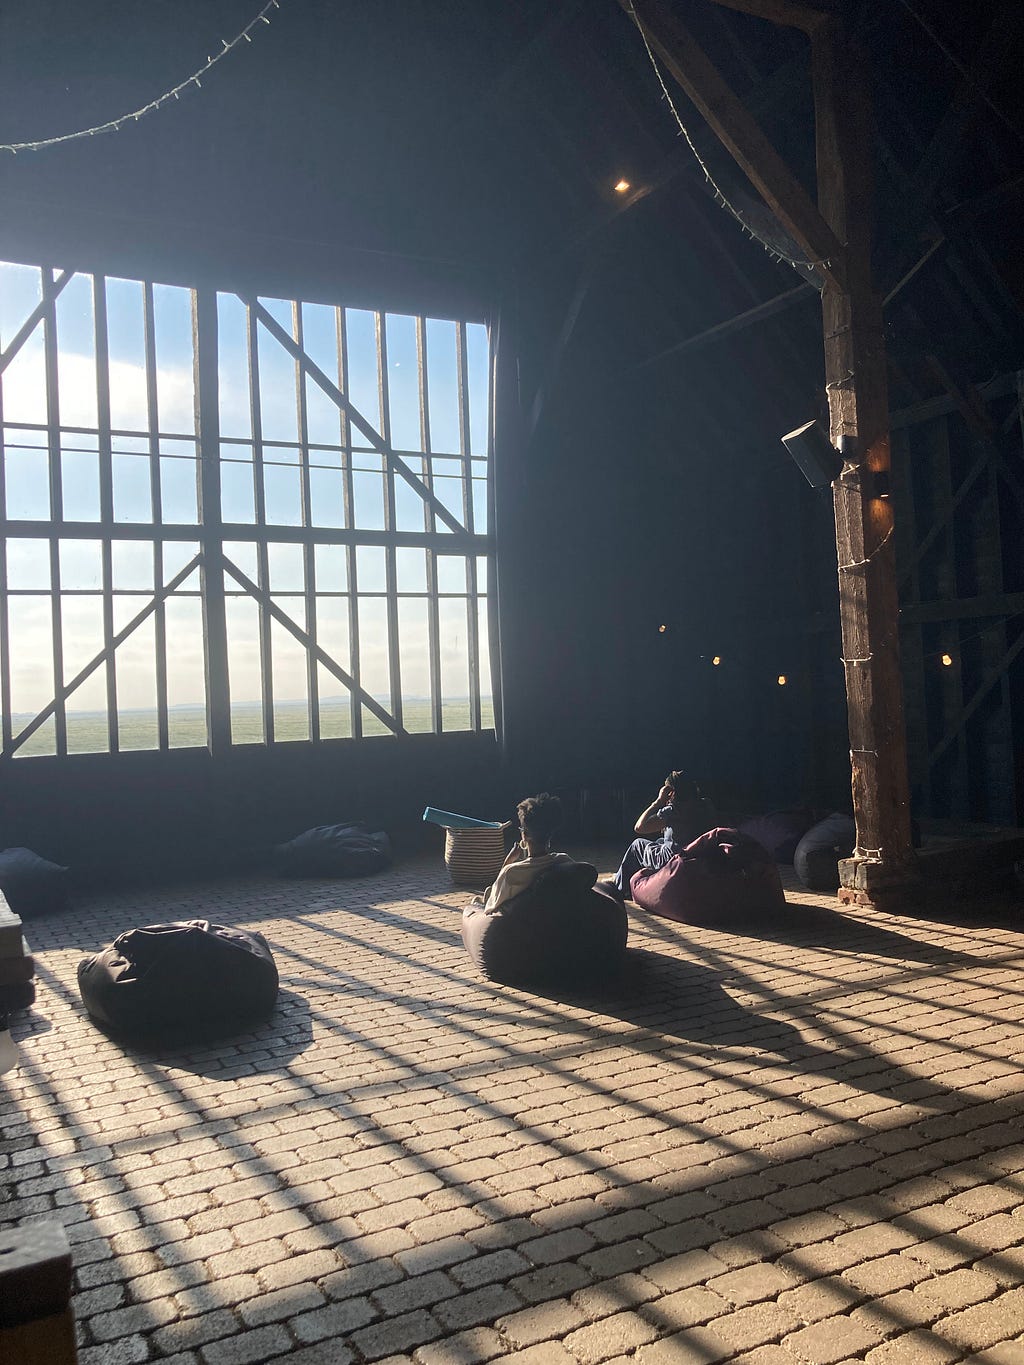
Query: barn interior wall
[{"x": 424, "y": 157}]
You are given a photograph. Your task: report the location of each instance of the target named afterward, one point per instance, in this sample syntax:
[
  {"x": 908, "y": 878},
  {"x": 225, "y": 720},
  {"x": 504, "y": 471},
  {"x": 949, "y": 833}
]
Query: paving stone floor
[{"x": 799, "y": 1149}]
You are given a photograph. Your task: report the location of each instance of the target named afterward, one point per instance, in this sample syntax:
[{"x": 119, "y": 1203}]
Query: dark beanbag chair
[
  {"x": 33, "y": 885},
  {"x": 192, "y": 976},
  {"x": 779, "y": 833},
  {"x": 724, "y": 875},
  {"x": 816, "y": 860},
  {"x": 334, "y": 851},
  {"x": 562, "y": 930}
]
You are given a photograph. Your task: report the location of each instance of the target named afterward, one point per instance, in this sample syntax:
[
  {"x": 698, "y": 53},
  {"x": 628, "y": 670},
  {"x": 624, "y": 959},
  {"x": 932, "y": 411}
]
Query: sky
[{"x": 27, "y": 489}]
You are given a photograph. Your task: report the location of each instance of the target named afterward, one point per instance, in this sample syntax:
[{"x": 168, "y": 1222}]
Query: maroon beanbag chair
[{"x": 724, "y": 875}]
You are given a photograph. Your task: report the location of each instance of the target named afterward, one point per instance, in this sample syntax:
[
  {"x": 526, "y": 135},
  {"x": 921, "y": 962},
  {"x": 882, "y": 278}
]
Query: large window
[{"x": 236, "y": 520}]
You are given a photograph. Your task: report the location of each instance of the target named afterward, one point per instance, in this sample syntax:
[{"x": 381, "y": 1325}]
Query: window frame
[{"x": 443, "y": 531}]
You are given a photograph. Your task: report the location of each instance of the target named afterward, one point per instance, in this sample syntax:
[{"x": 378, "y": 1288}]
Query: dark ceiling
[{"x": 482, "y": 140}]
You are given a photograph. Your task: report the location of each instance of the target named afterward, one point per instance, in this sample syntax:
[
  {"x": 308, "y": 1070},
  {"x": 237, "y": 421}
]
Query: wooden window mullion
[
  {"x": 356, "y": 713},
  {"x": 153, "y": 430},
  {"x": 472, "y": 622},
  {"x": 433, "y": 616},
  {"x": 56, "y": 505},
  {"x": 206, "y": 387},
  {"x": 6, "y": 734},
  {"x": 308, "y": 556},
  {"x": 103, "y": 444},
  {"x": 263, "y": 568},
  {"x": 391, "y": 571}
]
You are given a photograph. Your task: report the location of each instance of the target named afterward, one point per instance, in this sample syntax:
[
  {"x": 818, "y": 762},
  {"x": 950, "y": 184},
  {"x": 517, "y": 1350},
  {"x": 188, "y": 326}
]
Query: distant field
[{"x": 87, "y": 730}]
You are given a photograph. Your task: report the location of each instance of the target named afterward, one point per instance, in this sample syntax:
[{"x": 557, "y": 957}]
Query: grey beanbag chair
[
  {"x": 187, "y": 977},
  {"x": 33, "y": 885},
  {"x": 779, "y": 833},
  {"x": 563, "y": 930},
  {"x": 816, "y": 860}
]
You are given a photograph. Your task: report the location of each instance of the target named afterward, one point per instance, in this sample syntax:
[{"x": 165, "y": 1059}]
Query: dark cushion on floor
[
  {"x": 33, "y": 885},
  {"x": 724, "y": 875},
  {"x": 780, "y": 832},
  {"x": 816, "y": 860},
  {"x": 563, "y": 930},
  {"x": 192, "y": 976},
  {"x": 349, "y": 850}
]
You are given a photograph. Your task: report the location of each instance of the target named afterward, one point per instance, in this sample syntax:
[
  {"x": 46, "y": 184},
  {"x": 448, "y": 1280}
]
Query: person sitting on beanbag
[
  {"x": 539, "y": 818},
  {"x": 676, "y": 816}
]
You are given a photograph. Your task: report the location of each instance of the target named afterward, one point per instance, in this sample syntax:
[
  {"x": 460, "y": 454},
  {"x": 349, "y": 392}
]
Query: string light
[
  {"x": 947, "y": 659},
  {"x": 622, "y": 186},
  {"x": 720, "y": 197},
  {"x": 716, "y": 660},
  {"x": 662, "y": 630},
  {"x": 781, "y": 680},
  {"x": 113, "y": 125}
]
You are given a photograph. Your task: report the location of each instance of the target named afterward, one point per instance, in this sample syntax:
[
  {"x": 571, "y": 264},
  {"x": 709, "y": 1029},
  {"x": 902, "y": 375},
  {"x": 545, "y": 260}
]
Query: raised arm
[{"x": 648, "y": 822}]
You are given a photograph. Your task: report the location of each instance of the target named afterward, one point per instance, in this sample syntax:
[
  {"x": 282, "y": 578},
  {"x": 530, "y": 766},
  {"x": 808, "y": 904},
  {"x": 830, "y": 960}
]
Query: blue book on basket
[{"x": 449, "y": 820}]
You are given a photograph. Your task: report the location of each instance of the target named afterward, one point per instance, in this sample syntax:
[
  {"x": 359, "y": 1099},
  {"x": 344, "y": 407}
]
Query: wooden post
[{"x": 883, "y": 866}]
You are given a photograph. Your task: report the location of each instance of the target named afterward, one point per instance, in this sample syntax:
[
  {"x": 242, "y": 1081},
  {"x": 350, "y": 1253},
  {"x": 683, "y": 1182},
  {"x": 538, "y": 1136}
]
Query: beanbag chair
[
  {"x": 33, "y": 885},
  {"x": 191, "y": 976},
  {"x": 349, "y": 850},
  {"x": 562, "y": 930},
  {"x": 816, "y": 860},
  {"x": 779, "y": 833},
  {"x": 722, "y": 875}
]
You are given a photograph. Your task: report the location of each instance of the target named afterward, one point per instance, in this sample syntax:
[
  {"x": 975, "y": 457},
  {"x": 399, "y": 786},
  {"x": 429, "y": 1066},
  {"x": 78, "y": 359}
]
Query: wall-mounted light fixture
[
  {"x": 821, "y": 462},
  {"x": 814, "y": 454},
  {"x": 622, "y": 187}
]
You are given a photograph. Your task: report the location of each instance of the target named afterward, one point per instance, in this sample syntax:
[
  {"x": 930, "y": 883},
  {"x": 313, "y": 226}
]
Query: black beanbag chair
[
  {"x": 187, "y": 977},
  {"x": 349, "y": 850},
  {"x": 561, "y": 931},
  {"x": 33, "y": 885},
  {"x": 816, "y": 860}
]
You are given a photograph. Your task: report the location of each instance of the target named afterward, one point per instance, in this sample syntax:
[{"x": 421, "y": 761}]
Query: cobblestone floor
[{"x": 800, "y": 1149}]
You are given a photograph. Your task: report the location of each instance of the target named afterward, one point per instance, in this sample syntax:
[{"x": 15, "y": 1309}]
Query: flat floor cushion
[
  {"x": 816, "y": 860},
  {"x": 31, "y": 884},
  {"x": 347, "y": 850},
  {"x": 724, "y": 875},
  {"x": 190, "y": 975},
  {"x": 561, "y": 930}
]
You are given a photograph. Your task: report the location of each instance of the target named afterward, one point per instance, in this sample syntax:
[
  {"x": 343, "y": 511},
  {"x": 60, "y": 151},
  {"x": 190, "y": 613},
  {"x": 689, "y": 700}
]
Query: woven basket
[{"x": 474, "y": 857}]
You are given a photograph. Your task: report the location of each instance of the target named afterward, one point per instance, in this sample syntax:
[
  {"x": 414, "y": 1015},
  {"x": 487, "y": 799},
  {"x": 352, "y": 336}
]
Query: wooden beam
[
  {"x": 786, "y": 13},
  {"x": 992, "y": 676},
  {"x": 734, "y": 324},
  {"x": 740, "y": 134},
  {"x": 856, "y": 383},
  {"x": 51, "y": 288}
]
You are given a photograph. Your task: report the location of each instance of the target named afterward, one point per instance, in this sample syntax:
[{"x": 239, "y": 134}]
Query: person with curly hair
[{"x": 539, "y": 819}]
